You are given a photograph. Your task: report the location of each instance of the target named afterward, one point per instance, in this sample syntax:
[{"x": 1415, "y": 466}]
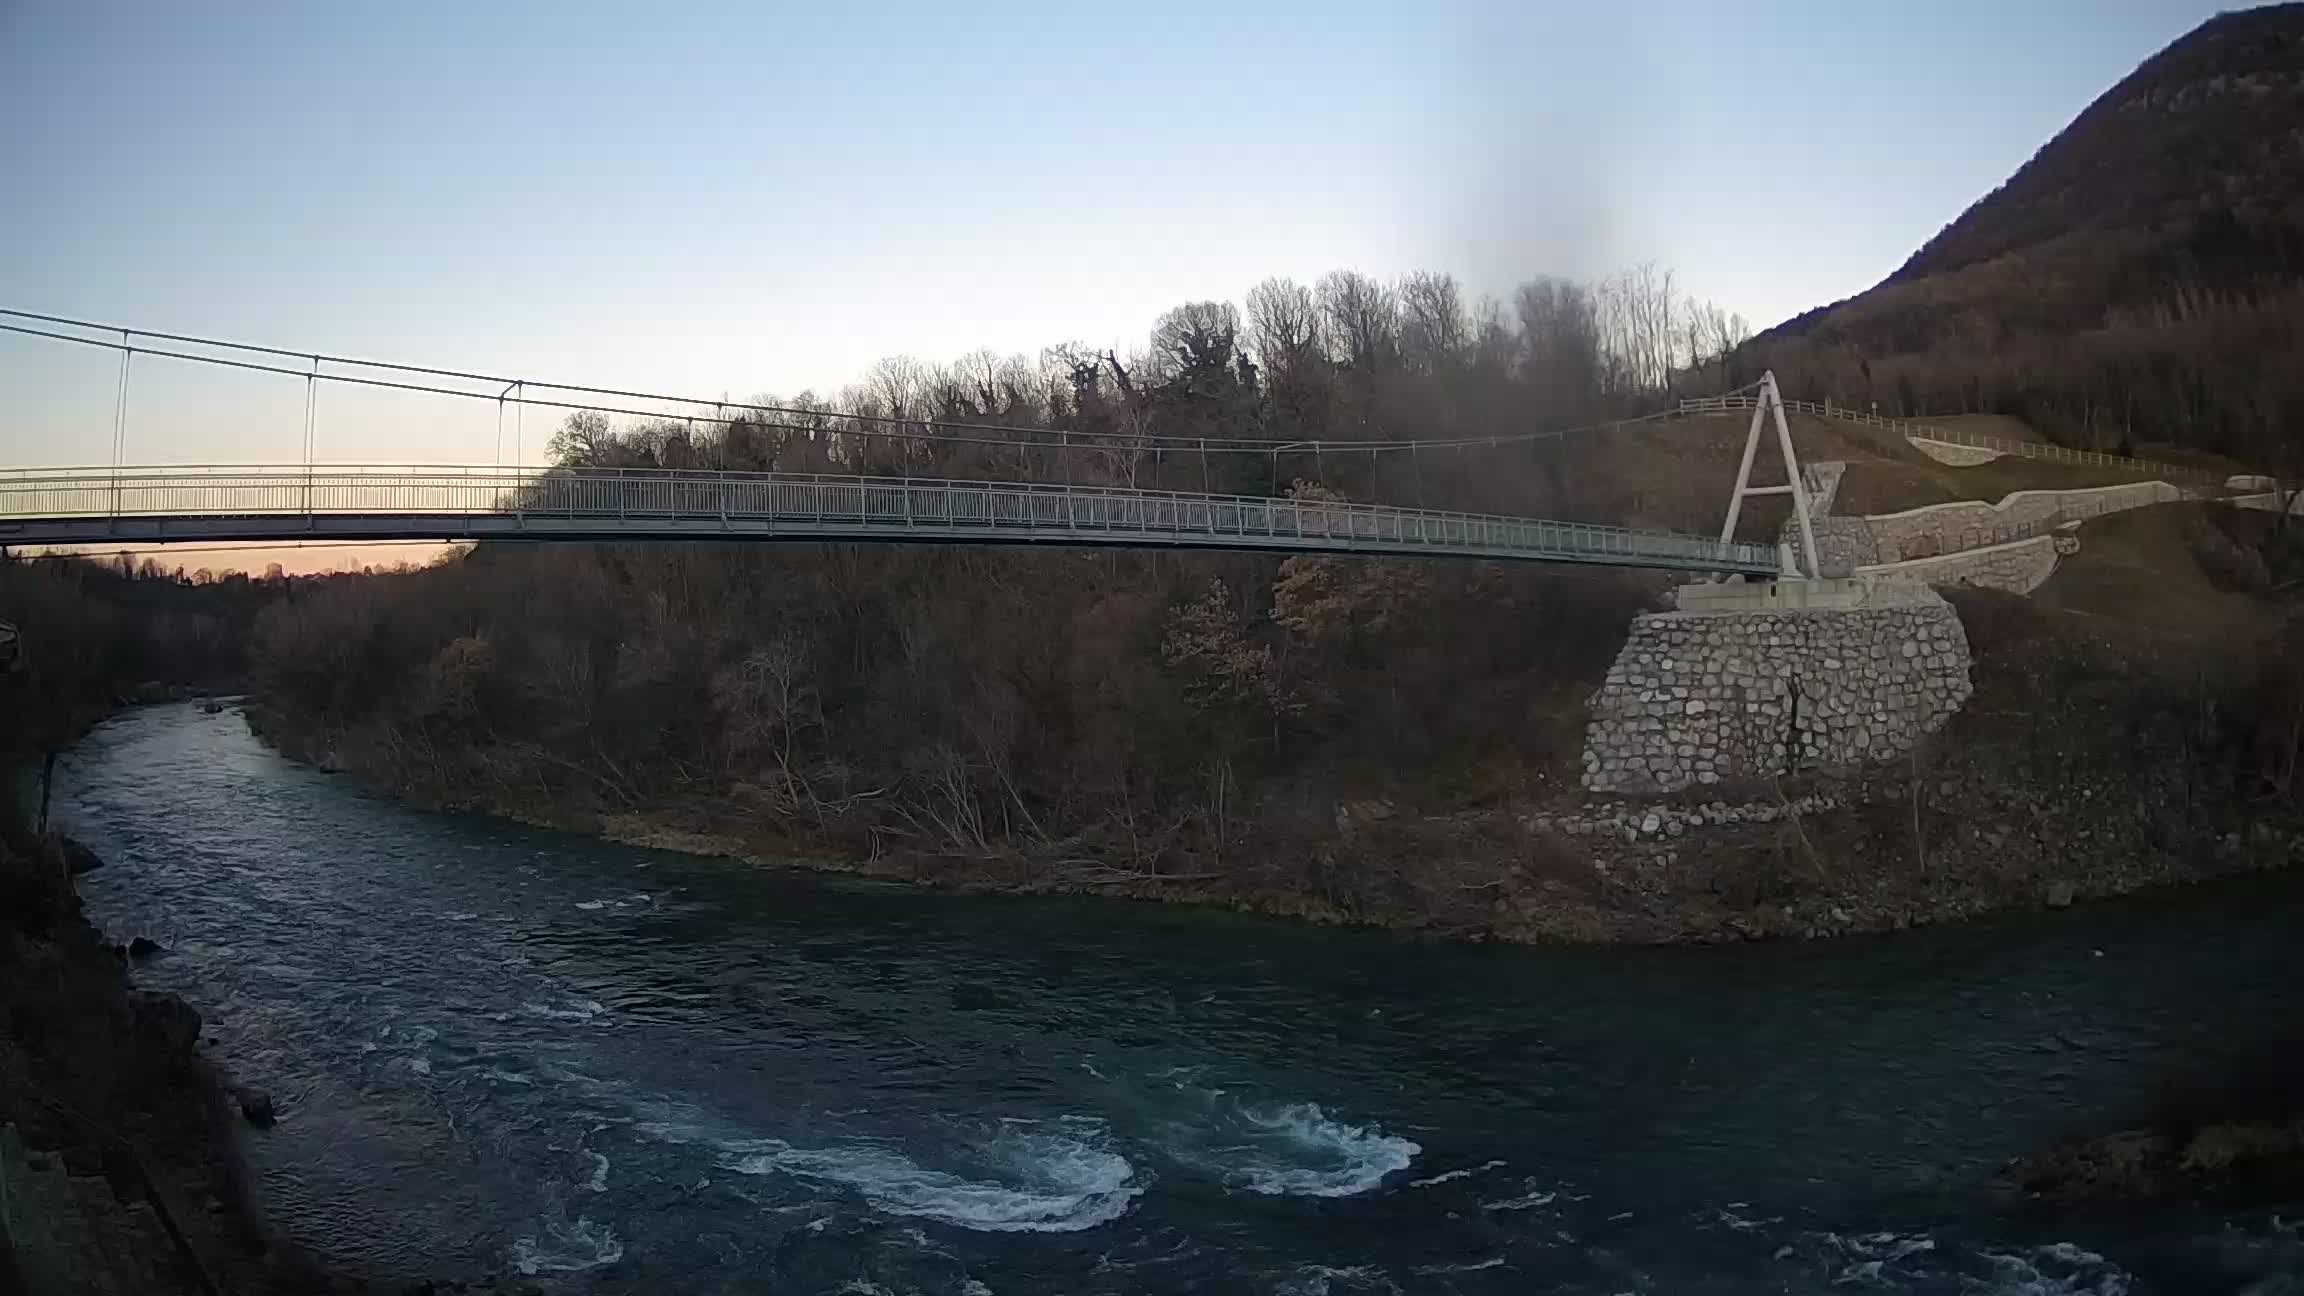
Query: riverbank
[
  {"x": 118, "y": 1154},
  {"x": 2080, "y": 769},
  {"x": 2230, "y": 1131},
  {"x": 1379, "y": 743}
]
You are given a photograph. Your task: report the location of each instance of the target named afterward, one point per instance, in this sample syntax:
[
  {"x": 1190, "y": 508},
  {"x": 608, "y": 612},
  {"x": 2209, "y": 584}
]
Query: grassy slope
[
  {"x": 2176, "y": 575},
  {"x": 1677, "y": 474},
  {"x": 2007, "y": 427},
  {"x": 1892, "y": 476},
  {"x": 1885, "y": 474},
  {"x": 1883, "y": 487}
]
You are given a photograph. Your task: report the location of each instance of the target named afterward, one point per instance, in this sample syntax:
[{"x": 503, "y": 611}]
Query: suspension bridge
[{"x": 122, "y": 502}]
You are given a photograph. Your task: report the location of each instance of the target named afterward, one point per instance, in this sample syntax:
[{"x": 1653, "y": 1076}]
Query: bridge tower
[{"x": 1770, "y": 404}]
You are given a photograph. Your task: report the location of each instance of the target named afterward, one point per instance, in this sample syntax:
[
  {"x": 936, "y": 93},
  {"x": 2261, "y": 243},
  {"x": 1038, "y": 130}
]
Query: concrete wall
[
  {"x": 1822, "y": 479},
  {"x": 1968, "y": 524},
  {"x": 2019, "y": 567},
  {"x": 1702, "y": 697},
  {"x": 1953, "y": 453},
  {"x": 2269, "y": 502}
]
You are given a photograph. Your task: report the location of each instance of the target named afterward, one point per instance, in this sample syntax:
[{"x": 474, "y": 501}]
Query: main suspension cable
[{"x": 815, "y": 420}]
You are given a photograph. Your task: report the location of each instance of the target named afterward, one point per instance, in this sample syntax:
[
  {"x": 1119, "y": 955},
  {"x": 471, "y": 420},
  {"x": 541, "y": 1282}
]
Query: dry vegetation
[{"x": 94, "y": 631}]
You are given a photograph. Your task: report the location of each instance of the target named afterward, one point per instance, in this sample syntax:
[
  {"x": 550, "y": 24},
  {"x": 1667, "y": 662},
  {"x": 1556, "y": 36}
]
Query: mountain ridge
[{"x": 2140, "y": 278}]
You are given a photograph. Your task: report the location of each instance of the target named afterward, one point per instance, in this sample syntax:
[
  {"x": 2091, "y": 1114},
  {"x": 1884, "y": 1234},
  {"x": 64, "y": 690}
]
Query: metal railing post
[
  {"x": 120, "y": 424},
  {"x": 311, "y": 399}
]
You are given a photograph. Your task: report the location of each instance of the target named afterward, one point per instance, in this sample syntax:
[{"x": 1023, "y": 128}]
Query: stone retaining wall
[
  {"x": 1699, "y": 698},
  {"x": 1968, "y": 524},
  {"x": 1634, "y": 821},
  {"x": 2019, "y": 567},
  {"x": 1844, "y": 545}
]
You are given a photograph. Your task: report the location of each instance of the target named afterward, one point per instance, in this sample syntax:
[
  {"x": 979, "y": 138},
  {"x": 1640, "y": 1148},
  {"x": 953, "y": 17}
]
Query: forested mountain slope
[{"x": 2140, "y": 280}]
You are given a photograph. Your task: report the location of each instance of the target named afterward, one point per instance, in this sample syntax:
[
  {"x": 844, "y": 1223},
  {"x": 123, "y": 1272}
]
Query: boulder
[
  {"x": 166, "y": 1020},
  {"x": 256, "y": 1107},
  {"x": 144, "y": 947},
  {"x": 77, "y": 858},
  {"x": 2059, "y": 895}
]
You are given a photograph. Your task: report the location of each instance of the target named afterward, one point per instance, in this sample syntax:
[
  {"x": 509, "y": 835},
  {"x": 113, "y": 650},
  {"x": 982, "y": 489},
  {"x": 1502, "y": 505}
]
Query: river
[{"x": 498, "y": 1049}]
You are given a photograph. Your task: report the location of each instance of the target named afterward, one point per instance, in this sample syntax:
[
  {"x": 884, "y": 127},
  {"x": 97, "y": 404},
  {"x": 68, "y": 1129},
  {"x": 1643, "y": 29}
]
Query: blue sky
[{"x": 749, "y": 197}]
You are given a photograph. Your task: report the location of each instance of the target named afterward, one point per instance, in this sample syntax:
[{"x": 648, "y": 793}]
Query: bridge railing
[
  {"x": 2202, "y": 479},
  {"x": 505, "y": 502}
]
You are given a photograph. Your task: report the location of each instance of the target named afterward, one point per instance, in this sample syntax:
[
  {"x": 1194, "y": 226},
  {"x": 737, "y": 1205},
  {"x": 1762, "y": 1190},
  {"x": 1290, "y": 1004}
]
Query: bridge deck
[{"x": 146, "y": 505}]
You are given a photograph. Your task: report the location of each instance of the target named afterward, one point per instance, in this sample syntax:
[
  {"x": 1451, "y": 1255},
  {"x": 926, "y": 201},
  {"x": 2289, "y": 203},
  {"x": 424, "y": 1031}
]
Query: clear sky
[{"x": 737, "y": 196}]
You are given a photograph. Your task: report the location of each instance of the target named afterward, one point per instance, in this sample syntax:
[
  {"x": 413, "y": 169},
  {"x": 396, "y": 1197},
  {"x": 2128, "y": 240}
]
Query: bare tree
[
  {"x": 1197, "y": 339},
  {"x": 1435, "y": 331},
  {"x": 1284, "y": 327},
  {"x": 896, "y": 393},
  {"x": 767, "y": 701},
  {"x": 585, "y": 438},
  {"x": 1360, "y": 319},
  {"x": 1638, "y": 330},
  {"x": 1711, "y": 336},
  {"x": 1561, "y": 350}
]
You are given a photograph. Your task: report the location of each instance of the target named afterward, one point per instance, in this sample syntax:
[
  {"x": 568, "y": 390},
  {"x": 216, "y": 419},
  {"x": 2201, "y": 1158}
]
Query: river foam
[
  {"x": 1920, "y": 1262},
  {"x": 569, "y": 1009},
  {"x": 1022, "y": 1180},
  {"x": 561, "y": 1246},
  {"x": 1337, "y": 1280},
  {"x": 1450, "y": 1176},
  {"x": 1018, "y": 1176},
  {"x": 1283, "y": 1149}
]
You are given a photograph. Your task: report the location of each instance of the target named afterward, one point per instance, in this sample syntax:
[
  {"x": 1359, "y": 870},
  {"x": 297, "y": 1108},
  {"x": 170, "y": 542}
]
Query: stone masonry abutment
[{"x": 1756, "y": 681}]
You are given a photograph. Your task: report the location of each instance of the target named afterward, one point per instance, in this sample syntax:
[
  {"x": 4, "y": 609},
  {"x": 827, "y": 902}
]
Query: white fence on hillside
[{"x": 1956, "y": 436}]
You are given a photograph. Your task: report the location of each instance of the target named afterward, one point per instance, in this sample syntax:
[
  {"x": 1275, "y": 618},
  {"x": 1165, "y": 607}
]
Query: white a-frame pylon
[{"x": 1768, "y": 403}]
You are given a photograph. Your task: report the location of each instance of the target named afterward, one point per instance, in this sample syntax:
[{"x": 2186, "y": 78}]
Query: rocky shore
[
  {"x": 2249, "y": 1157},
  {"x": 119, "y": 1164}
]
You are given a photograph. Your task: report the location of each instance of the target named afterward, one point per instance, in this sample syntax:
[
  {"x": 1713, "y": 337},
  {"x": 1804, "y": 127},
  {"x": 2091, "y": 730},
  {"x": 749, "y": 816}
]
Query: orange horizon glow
[{"x": 255, "y": 557}]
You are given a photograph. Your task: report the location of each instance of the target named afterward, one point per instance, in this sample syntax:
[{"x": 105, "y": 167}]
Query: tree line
[
  {"x": 1348, "y": 359},
  {"x": 1140, "y": 716},
  {"x": 93, "y": 631},
  {"x": 2205, "y": 369}
]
